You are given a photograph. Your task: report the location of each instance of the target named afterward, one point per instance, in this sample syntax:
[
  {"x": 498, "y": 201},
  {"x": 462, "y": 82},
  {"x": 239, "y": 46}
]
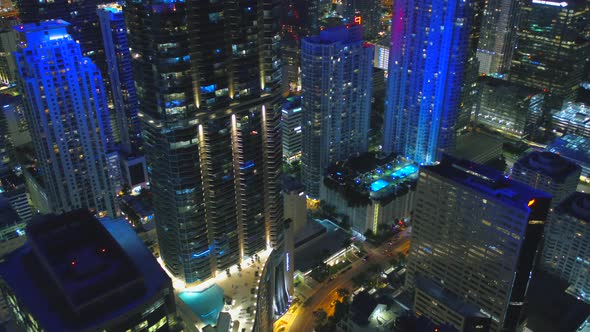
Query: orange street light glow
[{"x": 531, "y": 202}]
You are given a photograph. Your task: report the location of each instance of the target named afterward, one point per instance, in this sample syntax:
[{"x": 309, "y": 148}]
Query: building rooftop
[
  {"x": 76, "y": 272},
  {"x": 549, "y": 164},
  {"x": 513, "y": 87},
  {"x": 550, "y": 308},
  {"x": 493, "y": 183},
  {"x": 367, "y": 177},
  {"x": 47, "y": 32},
  {"x": 292, "y": 103},
  {"x": 576, "y": 205},
  {"x": 573, "y": 147},
  {"x": 473, "y": 145},
  {"x": 578, "y": 113}
]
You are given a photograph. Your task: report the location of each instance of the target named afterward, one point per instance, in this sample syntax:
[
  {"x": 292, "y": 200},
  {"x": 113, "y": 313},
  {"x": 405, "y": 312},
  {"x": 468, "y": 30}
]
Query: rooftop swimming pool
[
  {"x": 389, "y": 177},
  {"x": 379, "y": 184},
  {"x": 206, "y": 304}
]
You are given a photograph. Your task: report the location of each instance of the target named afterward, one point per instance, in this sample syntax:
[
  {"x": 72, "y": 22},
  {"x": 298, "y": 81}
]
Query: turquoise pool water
[
  {"x": 393, "y": 177},
  {"x": 378, "y": 185},
  {"x": 206, "y": 304},
  {"x": 405, "y": 171}
]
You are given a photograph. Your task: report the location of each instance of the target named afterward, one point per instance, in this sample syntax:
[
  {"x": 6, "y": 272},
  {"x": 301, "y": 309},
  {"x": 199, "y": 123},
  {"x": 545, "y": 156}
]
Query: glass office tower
[
  {"x": 429, "y": 48},
  {"x": 498, "y": 36},
  {"x": 66, "y": 111},
  {"x": 208, "y": 84},
  {"x": 552, "y": 51}
]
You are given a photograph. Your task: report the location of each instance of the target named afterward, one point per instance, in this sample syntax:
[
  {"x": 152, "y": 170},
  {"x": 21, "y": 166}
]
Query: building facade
[
  {"x": 16, "y": 123},
  {"x": 337, "y": 67},
  {"x": 425, "y": 83},
  {"x": 127, "y": 129},
  {"x": 291, "y": 123},
  {"x": 497, "y": 39},
  {"x": 208, "y": 84},
  {"x": 66, "y": 110},
  {"x": 276, "y": 289},
  {"x": 8, "y": 43},
  {"x": 567, "y": 247},
  {"x": 475, "y": 236},
  {"x": 551, "y": 53},
  {"x": 509, "y": 108},
  {"x": 548, "y": 172}
]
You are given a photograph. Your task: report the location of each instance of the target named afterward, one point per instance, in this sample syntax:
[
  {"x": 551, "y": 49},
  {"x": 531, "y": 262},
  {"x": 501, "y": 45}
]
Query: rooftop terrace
[{"x": 384, "y": 179}]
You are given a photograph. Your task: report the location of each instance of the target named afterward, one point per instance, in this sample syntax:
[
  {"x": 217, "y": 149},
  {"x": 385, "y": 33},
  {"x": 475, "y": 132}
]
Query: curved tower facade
[
  {"x": 208, "y": 84},
  {"x": 429, "y": 45}
]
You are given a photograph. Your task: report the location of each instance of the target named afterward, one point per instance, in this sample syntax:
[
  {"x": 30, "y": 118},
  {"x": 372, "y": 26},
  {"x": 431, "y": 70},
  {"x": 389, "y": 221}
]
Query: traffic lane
[{"x": 303, "y": 320}]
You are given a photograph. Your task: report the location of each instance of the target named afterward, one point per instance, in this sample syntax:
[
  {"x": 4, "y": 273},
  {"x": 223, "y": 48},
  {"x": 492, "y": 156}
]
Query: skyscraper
[
  {"x": 567, "y": 245},
  {"x": 66, "y": 111},
  {"x": 291, "y": 123},
  {"x": 336, "y": 70},
  {"x": 498, "y": 36},
  {"x": 429, "y": 48},
  {"x": 208, "y": 83},
  {"x": 118, "y": 61},
  {"x": 552, "y": 52},
  {"x": 474, "y": 240},
  {"x": 76, "y": 273}
]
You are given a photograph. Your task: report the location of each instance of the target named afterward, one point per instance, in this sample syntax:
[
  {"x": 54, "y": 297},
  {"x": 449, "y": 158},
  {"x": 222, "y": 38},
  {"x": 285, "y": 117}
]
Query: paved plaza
[{"x": 237, "y": 286}]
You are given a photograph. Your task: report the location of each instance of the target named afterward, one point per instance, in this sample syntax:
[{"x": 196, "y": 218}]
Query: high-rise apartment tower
[
  {"x": 208, "y": 83},
  {"x": 66, "y": 110}
]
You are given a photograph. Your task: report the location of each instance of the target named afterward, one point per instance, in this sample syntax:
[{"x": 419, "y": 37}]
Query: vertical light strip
[
  {"x": 265, "y": 141},
  {"x": 375, "y": 218},
  {"x": 236, "y": 166}
]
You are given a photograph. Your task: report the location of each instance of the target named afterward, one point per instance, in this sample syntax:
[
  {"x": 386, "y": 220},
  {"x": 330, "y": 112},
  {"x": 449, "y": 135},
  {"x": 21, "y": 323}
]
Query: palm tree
[{"x": 342, "y": 292}]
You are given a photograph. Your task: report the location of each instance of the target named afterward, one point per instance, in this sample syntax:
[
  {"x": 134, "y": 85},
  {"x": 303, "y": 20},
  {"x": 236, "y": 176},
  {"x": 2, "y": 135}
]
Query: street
[{"x": 302, "y": 319}]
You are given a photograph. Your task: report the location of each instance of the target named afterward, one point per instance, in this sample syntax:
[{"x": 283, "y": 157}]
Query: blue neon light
[
  {"x": 425, "y": 76},
  {"x": 202, "y": 254},
  {"x": 247, "y": 165},
  {"x": 207, "y": 88}
]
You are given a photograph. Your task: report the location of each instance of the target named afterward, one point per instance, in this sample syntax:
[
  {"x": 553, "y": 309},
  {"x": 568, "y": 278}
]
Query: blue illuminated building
[
  {"x": 429, "y": 42},
  {"x": 67, "y": 116},
  {"x": 76, "y": 273},
  {"x": 336, "y": 70},
  {"x": 118, "y": 61}
]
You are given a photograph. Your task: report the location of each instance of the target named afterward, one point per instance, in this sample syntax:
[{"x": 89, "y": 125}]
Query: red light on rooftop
[
  {"x": 73, "y": 263},
  {"x": 531, "y": 202},
  {"x": 103, "y": 250}
]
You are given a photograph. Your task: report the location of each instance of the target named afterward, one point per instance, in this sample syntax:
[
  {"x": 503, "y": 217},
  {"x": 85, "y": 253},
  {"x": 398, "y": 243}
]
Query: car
[{"x": 366, "y": 258}]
